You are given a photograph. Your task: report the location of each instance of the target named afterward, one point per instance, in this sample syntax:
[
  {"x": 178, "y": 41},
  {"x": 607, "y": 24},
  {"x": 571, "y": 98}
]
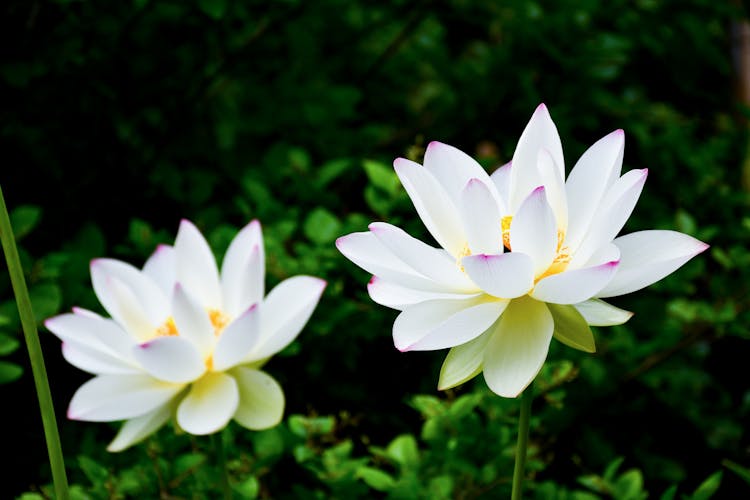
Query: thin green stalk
[
  {"x": 221, "y": 462},
  {"x": 35, "y": 354},
  {"x": 522, "y": 444}
]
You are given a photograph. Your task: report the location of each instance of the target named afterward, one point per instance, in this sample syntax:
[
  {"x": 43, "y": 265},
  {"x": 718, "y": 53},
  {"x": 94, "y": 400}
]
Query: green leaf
[
  {"x": 9, "y": 372},
  {"x": 188, "y": 462},
  {"x": 376, "y": 478},
  {"x": 310, "y": 426},
  {"x": 24, "y": 219},
  {"x": 441, "y": 487},
  {"x": 95, "y": 472},
  {"x": 46, "y": 300},
  {"x": 249, "y": 488},
  {"x": 213, "y": 8},
  {"x": 629, "y": 486},
  {"x": 669, "y": 493},
  {"x": 404, "y": 451},
  {"x": 741, "y": 471},
  {"x": 382, "y": 176},
  {"x": 571, "y": 329},
  {"x": 8, "y": 344},
  {"x": 708, "y": 487},
  {"x": 321, "y": 226}
]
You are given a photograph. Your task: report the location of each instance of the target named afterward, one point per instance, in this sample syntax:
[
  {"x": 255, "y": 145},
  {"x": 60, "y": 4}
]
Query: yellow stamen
[
  {"x": 562, "y": 259},
  {"x": 465, "y": 252},
  {"x": 219, "y": 320},
  {"x": 168, "y": 329},
  {"x": 505, "y": 225}
]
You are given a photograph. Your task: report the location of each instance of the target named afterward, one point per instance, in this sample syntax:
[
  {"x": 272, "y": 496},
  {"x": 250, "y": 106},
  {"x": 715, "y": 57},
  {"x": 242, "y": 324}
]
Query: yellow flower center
[
  {"x": 218, "y": 319},
  {"x": 465, "y": 252},
  {"x": 505, "y": 225}
]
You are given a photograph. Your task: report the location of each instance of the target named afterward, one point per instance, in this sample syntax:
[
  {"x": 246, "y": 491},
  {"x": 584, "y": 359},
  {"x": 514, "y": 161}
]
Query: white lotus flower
[
  {"x": 184, "y": 340},
  {"x": 525, "y": 255}
]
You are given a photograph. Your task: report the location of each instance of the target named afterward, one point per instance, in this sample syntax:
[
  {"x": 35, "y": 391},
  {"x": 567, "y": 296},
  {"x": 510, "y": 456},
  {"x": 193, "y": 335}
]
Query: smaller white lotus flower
[
  {"x": 526, "y": 254},
  {"x": 185, "y": 340}
]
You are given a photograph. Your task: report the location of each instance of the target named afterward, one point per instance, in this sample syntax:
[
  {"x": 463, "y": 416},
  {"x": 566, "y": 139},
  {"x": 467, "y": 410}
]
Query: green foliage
[{"x": 120, "y": 118}]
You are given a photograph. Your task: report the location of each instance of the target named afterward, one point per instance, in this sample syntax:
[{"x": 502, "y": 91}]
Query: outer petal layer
[
  {"x": 506, "y": 276},
  {"x": 137, "y": 429},
  {"x": 464, "y": 362},
  {"x": 648, "y": 256},
  {"x": 518, "y": 347},
  {"x": 261, "y": 399},
  {"x": 209, "y": 405},
  {"x": 572, "y": 287}
]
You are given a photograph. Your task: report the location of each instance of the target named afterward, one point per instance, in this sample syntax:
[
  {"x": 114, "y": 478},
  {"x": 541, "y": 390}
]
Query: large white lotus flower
[
  {"x": 526, "y": 255},
  {"x": 185, "y": 340}
]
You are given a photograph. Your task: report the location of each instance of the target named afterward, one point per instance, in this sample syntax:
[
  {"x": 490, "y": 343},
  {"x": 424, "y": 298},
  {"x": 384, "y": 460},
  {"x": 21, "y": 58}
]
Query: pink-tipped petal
[
  {"x": 481, "y": 214},
  {"x": 648, "y": 256},
  {"x": 438, "y": 324},
  {"x": 533, "y": 231},
  {"x": 196, "y": 266},
  {"x": 237, "y": 339},
  {"x": 170, "y": 359},
  {"x": 395, "y": 296},
  {"x": 433, "y": 204},
  {"x": 453, "y": 169},
  {"x": 572, "y": 287},
  {"x": 243, "y": 270},
  {"x": 192, "y": 320},
  {"x": 506, "y": 276}
]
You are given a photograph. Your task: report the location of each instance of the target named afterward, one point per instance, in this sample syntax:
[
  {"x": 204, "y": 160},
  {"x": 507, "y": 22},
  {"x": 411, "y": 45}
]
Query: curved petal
[
  {"x": 613, "y": 213},
  {"x": 284, "y": 313},
  {"x": 554, "y": 187},
  {"x": 195, "y": 266},
  {"x": 506, "y": 276},
  {"x": 438, "y": 324},
  {"x": 170, "y": 359},
  {"x": 98, "y": 334},
  {"x": 533, "y": 231},
  {"x": 366, "y": 251},
  {"x": 648, "y": 256},
  {"x": 433, "y": 204},
  {"x": 599, "y": 313},
  {"x": 481, "y": 217},
  {"x": 107, "y": 398},
  {"x": 540, "y": 133},
  {"x": 209, "y": 405},
  {"x": 572, "y": 287},
  {"x": 516, "y": 351},
  {"x": 453, "y": 168},
  {"x": 435, "y": 264},
  {"x": 261, "y": 399},
  {"x": 463, "y": 362},
  {"x": 591, "y": 177},
  {"x": 95, "y": 361},
  {"x": 137, "y": 429},
  {"x": 160, "y": 267},
  {"x": 395, "y": 296},
  {"x": 243, "y": 270},
  {"x": 571, "y": 328},
  {"x": 192, "y": 320},
  {"x": 501, "y": 178},
  {"x": 124, "y": 306},
  {"x": 237, "y": 339},
  {"x": 149, "y": 297}
]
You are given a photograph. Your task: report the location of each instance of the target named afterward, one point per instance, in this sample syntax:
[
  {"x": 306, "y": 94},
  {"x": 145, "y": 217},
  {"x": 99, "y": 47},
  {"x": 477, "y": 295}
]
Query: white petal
[
  {"x": 284, "y": 313},
  {"x": 365, "y": 250},
  {"x": 237, "y": 339},
  {"x": 648, "y": 256},
  {"x": 95, "y": 361},
  {"x": 124, "y": 306},
  {"x": 119, "y": 397},
  {"x": 481, "y": 218},
  {"x": 261, "y": 399},
  {"x": 243, "y": 270},
  {"x": 572, "y": 287},
  {"x": 533, "y": 231},
  {"x": 192, "y": 320},
  {"x": 435, "y": 264},
  {"x": 464, "y": 362},
  {"x": 501, "y": 178},
  {"x": 160, "y": 267},
  {"x": 97, "y": 333},
  {"x": 195, "y": 266},
  {"x": 209, "y": 405},
  {"x": 599, "y": 313},
  {"x": 518, "y": 348},
  {"x": 554, "y": 187},
  {"x": 506, "y": 276},
  {"x": 540, "y": 133},
  {"x": 433, "y": 204},
  {"x": 453, "y": 168},
  {"x": 592, "y": 175},
  {"x": 137, "y": 429},
  {"x": 393, "y": 295},
  {"x": 171, "y": 359},
  {"x": 613, "y": 213},
  {"x": 150, "y": 298},
  {"x": 438, "y": 324}
]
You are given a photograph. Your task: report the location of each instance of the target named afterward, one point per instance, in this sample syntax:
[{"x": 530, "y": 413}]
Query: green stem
[
  {"x": 522, "y": 444},
  {"x": 28, "y": 322},
  {"x": 221, "y": 459}
]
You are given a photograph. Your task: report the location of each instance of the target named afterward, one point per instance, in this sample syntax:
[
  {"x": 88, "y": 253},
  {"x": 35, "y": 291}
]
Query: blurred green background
[{"x": 119, "y": 118}]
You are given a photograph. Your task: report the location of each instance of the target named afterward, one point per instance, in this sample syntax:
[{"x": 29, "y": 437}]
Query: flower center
[
  {"x": 505, "y": 225},
  {"x": 218, "y": 319},
  {"x": 465, "y": 252},
  {"x": 562, "y": 258}
]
